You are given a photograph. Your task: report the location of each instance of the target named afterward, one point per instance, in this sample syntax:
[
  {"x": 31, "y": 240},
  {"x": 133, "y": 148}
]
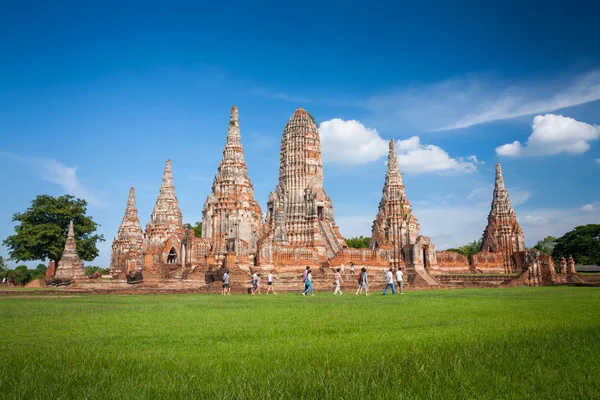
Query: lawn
[{"x": 466, "y": 343}]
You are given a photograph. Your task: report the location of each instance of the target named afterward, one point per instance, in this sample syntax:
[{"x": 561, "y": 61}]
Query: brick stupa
[
  {"x": 70, "y": 267},
  {"x": 127, "y": 251},
  {"x": 232, "y": 218}
]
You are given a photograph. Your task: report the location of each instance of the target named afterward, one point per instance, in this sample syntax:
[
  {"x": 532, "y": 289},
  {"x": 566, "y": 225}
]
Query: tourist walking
[
  {"x": 389, "y": 282},
  {"x": 256, "y": 284},
  {"x": 304, "y": 277},
  {"x": 337, "y": 280},
  {"x": 309, "y": 284},
  {"x": 363, "y": 282},
  {"x": 352, "y": 268},
  {"x": 270, "y": 283},
  {"x": 226, "y": 284},
  {"x": 399, "y": 276},
  {"x": 342, "y": 269}
]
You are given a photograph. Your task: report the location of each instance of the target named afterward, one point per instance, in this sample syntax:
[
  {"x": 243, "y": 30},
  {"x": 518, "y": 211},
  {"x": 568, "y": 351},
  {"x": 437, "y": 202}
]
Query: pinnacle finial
[
  {"x": 392, "y": 146},
  {"x": 499, "y": 178},
  {"x": 71, "y": 233},
  {"x": 234, "y": 115}
]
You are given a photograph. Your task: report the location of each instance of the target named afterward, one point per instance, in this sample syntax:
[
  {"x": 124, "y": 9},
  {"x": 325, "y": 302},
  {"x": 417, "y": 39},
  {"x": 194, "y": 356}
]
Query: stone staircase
[{"x": 333, "y": 246}]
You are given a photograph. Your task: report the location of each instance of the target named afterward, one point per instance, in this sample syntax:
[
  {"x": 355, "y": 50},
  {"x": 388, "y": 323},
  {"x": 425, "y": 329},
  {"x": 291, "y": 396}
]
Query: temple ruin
[{"x": 299, "y": 229}]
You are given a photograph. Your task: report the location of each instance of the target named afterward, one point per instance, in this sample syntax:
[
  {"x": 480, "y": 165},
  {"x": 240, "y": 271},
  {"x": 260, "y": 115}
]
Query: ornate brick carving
[
  {"x": 299, "y": 212},
  {"x": 70, "y": 266},
  {"x": 127, "y": 247},
  {"x": 232, "y": 217},
  {"x": 503, "y": 233}
]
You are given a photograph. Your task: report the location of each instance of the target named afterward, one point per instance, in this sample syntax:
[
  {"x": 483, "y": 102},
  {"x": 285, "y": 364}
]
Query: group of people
[
  {"x": 363, "y": 282},
  {"x": 226, "y": 283}
]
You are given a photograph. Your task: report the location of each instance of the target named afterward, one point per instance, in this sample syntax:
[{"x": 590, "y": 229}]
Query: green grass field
[{"x": 470, "y": 343}]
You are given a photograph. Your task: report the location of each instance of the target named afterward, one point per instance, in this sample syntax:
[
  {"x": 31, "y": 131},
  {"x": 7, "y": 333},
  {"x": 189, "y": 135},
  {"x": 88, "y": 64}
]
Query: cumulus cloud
[
  {"x": 480, "y": 98},
  {"x": 56, "y": 172},
  {"x": 413, "y": 156},
  {"x": 553, "y": 134},
  {"x": 597, "y": 160},
  {"x": 588, "y": 208},
  {"x": 350, "y": 142}
]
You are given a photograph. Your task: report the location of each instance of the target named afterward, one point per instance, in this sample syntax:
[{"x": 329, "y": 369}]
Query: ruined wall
[
  {"x": 451, "y": 262},
  {"x": 489, "y": 263}
]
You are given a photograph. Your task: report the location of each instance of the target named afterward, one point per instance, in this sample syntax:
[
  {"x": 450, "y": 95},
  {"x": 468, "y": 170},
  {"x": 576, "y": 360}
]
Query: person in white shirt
[
  {"x": 399, "y": 276},
  {"x": 342, "y": 268},
  {"x": 389, "y": 282},
  {"x": 352, "y": 268},
  {"x": 337, "y": 280},
  {"x": 270, "y": 283},
  {"x": 255, "y": 284}
]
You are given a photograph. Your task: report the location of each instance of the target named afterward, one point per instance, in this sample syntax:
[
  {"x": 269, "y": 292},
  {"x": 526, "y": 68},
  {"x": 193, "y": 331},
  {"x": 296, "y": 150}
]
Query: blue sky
[{"x": 95, "y": 96}]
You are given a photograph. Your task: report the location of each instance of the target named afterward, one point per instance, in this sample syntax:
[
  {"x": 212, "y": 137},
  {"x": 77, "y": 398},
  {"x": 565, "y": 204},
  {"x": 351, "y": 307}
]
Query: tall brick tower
[{"x": 299, "y": 211}]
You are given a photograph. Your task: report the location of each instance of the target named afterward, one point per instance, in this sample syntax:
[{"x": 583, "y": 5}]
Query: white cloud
[
  {"x": 413, "y": 156},
  {"x": 553, "y": 134},
  {"x": 588, "y": 208},
  {"x": 350, "y": 142},
  {"x": 477, "y": 99},
  {"x": 54, "y": 171},
  {"x": 597, "y": 160}
]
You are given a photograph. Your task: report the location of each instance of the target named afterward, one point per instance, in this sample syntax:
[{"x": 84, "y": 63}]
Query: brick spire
[
  {"x": 127, "y": 246},
  {"x": 395, "y": 223},
  {"x": 166, "y": 211},
  {"x": 130, "y": 225},
  {"x": 503, "y": 234},
  {"x": 231, "y": 213},
  {"x": 70, "y": 265}
]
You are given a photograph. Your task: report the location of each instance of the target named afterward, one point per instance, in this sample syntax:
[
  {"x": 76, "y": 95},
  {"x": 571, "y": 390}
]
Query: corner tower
[
  {"x": 162, "y": 241},
  {"x": 127, "y": 252},
  {"x": 299, "y": 211},
  {"x": 395, "y": 224},
  {"x": 232, "y": 217},
  {"x": 503, "y": 234}
]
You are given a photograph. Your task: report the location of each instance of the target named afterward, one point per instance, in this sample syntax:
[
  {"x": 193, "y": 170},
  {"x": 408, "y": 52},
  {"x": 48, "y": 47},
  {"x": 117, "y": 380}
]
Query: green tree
[
  {"x": 468, "y": 249},
  {"x": 359, "y": 242},
  {"x": 20, "y": 275},
  {"x": 42, "y": 230},
  {"x": 39, "y": 272},
  {"x": 197, "y": 228},
  {"x": 546, "y": 245},
  {"x": 90, "y": 269},
  {"x": 583, "y": 243},
  {"x": 3, "y": 270}
]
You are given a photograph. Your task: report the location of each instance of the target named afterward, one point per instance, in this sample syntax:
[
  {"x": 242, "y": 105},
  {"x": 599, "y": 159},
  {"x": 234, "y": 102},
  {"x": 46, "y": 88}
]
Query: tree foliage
[
  {"x": 197, "y": 228},
  {"x": 42, "y": 230},
  {"x": 359, "y": 242},
  {"x": 468, "y": 249},
  {"x": 2, "y": 267},
  {"x": 90, "y": 269},
  {"x": 583, "y": 243},
  {"x": 546, "y": 245}
]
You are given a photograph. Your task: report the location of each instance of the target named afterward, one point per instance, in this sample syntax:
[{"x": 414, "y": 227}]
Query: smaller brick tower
[
  {"x": 70, "y": 266},
  {"x": 127, "y": 251}
]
